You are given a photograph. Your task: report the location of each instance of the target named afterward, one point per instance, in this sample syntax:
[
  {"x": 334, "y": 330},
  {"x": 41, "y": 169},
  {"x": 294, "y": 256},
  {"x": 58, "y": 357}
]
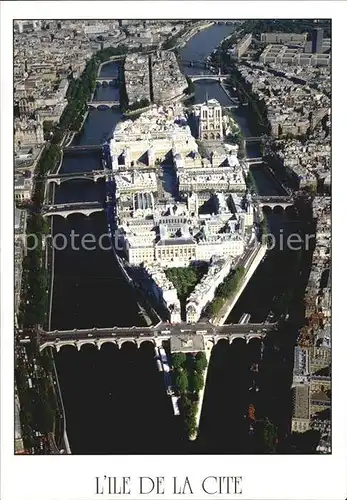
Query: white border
[{"x": 265, "y": 477}]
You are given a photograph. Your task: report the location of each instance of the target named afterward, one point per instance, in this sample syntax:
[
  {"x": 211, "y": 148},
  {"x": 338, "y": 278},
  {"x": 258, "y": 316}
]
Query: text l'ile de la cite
[{"x": 160, "y": 485}]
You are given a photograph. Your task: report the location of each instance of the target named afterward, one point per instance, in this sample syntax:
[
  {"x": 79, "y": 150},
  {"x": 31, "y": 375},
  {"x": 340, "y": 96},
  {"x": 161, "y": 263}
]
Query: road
[
  {"x": 159, "y": 330},
  {"x": 245, "y": 261}
]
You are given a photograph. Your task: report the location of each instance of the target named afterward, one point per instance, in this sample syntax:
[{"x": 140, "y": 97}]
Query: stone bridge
[
  {"x": 200, "y": 335},
  {"x": 218, "y": 78},
  {"x": 252, "y": 140},
  {"x": 207, "y": 341},
  {"x": 85, "y": 148},
  {"x": 107, "y": 104},
  {"x": 106, "y": 79},
  {"x": 254, "y": 161},
  {"x": 274, "y": 201},
  {"x": 64, "y": 210},
  {"x": 93, "y": 176}
]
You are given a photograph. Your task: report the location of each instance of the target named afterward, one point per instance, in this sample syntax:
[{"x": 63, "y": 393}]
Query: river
[{"x": 115, "y": 400}]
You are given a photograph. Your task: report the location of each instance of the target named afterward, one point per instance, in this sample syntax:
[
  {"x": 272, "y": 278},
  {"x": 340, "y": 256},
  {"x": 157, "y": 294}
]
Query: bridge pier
[
  {"x": 230, "y": 338},
  {"x": 130, "y": 340},
  {"x": 101, "y": 342}
]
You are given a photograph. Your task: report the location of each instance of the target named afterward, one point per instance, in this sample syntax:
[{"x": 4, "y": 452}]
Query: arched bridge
[
  {"x": 274, "y": 201},
  {"x": 64, "y": 210},
  {"x": 106, "y": 79},
  {"x": 94, "y": 175},
  {"x": 185, "y": 337},
  {"x": 107, "y": 104},
  {"x": 256, "y": 160},
  {"x": 218, "y": 78},
  {"x": 86, "y": 147},
  {"x": 253, "y": 140}
]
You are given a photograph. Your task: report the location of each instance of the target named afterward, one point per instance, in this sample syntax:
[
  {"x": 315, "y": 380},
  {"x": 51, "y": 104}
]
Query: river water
[{"x": 115, "y": 400}]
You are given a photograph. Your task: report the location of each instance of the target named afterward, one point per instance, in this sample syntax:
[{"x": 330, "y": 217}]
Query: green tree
[
  {"x": 269, "y": 436},
  {"x": 200, "y": 362},
  {"x": 182, "y": 382},
  {"x": 196, "y": 382},
  {"x": 178, "y": 359},
  {"x": 185, "y": 279}
]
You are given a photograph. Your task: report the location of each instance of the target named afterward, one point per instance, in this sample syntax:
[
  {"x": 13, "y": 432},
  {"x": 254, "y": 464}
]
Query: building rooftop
[{"x": 187, "y": 343}]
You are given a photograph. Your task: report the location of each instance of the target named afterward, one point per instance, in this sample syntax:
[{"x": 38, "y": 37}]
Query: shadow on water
[
  {"x": 122, "y": 404},
  {"x": 89, "y": 288},
  {"x": 223, "y": 426},
  {"x": 80, "y": 190},
  {"x": 98, "y": 126}
]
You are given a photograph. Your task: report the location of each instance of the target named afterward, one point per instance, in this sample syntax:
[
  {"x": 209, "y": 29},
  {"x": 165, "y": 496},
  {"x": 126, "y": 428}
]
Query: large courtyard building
[
  {"x": 283, "y": 54},
  {"x": 149, "y": 139},
  {"x": 294, "y": 38}
]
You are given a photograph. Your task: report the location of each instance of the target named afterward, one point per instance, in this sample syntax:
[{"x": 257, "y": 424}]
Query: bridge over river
[
  {"x": 84, "y": 148},
  {"x": 207, "y": 76},
  {"x": 104, "y": 104},
  {"x": 274, "y": 201},
  {"x": 183, "y": 337},
  {"x": 107, "y": 79},
  {"x": 94, "y": 175},
  {"x": 66, "y": 209}
]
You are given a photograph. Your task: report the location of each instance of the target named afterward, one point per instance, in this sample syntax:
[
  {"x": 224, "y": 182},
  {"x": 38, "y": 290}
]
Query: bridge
[
  {"x": 88, "y": 147},
  {"x": 209, "y": 76},
  {"x": 186, "y": 337},
  {"x": 251, "y": 140},
  {"x": 274, "y": 201},
  {"x": 253, "y": 161},
  {"x": 66, "y": 209},
  {"x": 105, "y": 104},
  {"x": 200, "y": 63},
  {"x": 94, "y": 175},
  {"x": 234, "y": 105},
  {"x": 107, "y": 79}
]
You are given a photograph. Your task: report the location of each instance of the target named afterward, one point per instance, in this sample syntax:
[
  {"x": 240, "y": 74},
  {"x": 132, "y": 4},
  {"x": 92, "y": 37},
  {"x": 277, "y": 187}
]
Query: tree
[
  {"x": 178, "y": 360},
  {"x": 200, "y": 362},
  {"x": 182, "y": 382},
  {"x": 196, "y": 382},
  {"x": 185, "y": 279},
  {"x": 269, "y": 436}
]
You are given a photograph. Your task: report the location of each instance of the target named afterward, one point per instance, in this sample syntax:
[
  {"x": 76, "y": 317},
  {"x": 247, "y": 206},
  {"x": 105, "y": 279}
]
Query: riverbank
[
  {"x": 137, "y": 112},
  {"x": 208, "y": 352},
  {"x": 194, "y": 32},
  {"x": 185, "y": 37},
  {"x": 228, "y": 306}
]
